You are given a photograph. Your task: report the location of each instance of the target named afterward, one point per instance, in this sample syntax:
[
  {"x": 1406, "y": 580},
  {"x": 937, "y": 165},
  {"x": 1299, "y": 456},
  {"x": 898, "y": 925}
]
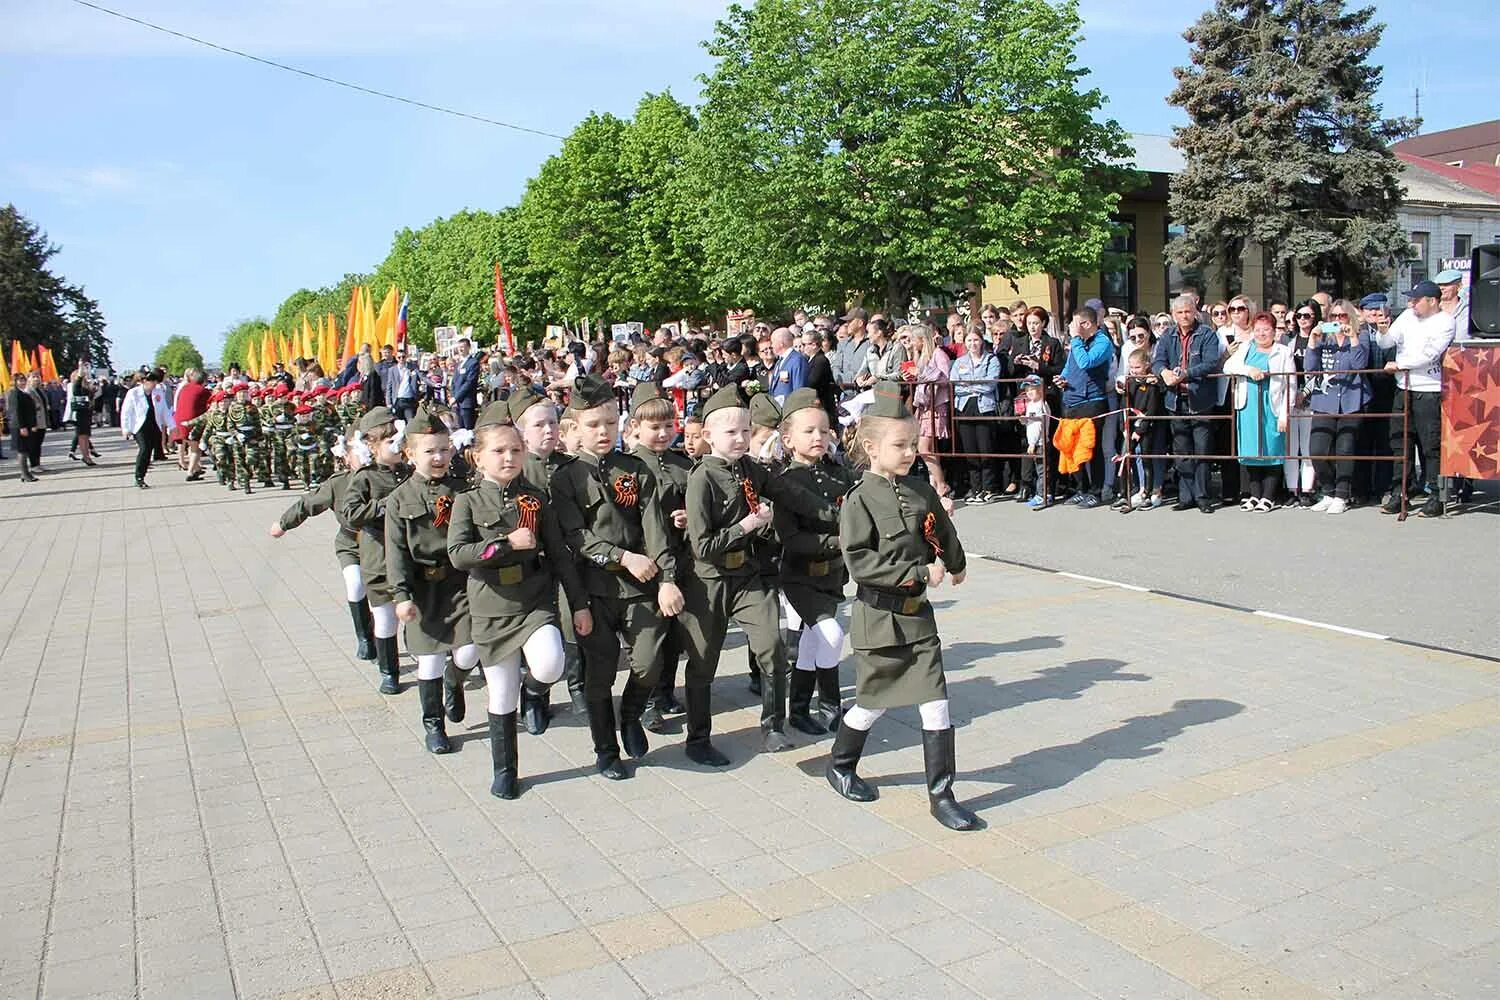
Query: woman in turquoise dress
[{"x": 1261, "y": 366}]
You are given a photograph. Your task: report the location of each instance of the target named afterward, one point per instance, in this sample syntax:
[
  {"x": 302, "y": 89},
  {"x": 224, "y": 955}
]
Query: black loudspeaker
[{"x": 1484, "y": 290}]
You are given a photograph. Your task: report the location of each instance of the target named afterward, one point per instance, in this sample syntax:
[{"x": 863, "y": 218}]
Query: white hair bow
[{"x": 462, "y": 438}]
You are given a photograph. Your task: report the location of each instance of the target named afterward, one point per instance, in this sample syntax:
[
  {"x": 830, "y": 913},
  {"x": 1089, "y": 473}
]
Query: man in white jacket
[
  {"x": 141, "y": 419},
  {"x": 1420, "y": 335}
]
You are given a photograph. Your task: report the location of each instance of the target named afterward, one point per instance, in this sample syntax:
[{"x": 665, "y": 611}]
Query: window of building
[
  {"x": 1179, "y": 277},
  {"x": 1463, "y": 244},
  {"x": 1117, "y": 288},
  {"x": 1420, "y": 243}
]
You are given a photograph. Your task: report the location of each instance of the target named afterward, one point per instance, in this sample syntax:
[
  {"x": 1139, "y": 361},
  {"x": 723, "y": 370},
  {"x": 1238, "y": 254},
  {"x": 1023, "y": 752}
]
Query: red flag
[{"x": 502, "y": 314}]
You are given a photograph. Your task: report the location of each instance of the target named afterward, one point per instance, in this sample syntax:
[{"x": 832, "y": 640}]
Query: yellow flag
[
  {"x": 367, "y": 323},
  {"x": 4, "y": 374},
  {"x": 304, "y": 345},
  {"x": 385, "y": 321}
]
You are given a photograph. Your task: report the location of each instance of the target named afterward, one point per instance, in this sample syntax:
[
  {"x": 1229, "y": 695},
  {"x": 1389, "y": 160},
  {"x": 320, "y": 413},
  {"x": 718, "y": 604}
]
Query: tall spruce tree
[
  {"x": 1287, "y": 147},
  {"x": 38, "y": 308}
]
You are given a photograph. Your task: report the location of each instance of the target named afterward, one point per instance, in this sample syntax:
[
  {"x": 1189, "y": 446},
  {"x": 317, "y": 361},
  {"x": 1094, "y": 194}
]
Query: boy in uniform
[
  {"x": 654, "y": 420},
  {"x": 609, "y": 506},
  {"x": 765, "y": 418},
  {"x": 726, "y": 519}
]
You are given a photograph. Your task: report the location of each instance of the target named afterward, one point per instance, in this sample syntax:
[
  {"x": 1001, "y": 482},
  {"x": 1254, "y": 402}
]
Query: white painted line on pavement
[
  {"x": 1323, "y": 625},
  {"x": 1112, "y": 583}
]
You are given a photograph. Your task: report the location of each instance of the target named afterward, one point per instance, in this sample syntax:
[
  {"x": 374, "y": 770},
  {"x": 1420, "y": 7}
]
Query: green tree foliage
[
  {"x": 1286, "y": 145},
  {"x": 177, "y": 355},
  {"x": 608, "y": 222},
  {"x": 897, "y": 146},
  {"x": 237, "y": 340},
  {"x": 39, "y": 308}
]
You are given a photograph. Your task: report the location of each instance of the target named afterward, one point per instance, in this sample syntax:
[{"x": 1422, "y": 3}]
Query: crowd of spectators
[{"x": 1310, "y": 405}]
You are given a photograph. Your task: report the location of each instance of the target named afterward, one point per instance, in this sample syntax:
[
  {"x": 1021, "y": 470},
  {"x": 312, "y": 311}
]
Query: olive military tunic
[
  {"x": 417, "y": 514},
  {"x": 609, "y": 506},
  {"x": 363, "y": 510},
  {"x": 727, "y": 580},
  {"x": 538, "y": 471},
  {"x": 812, "y": 562},
  {"x": 671, "y": 470},
  {"x": 511, "y": 593},
  {"x": 328, "y": 496},
  {"x": 890, "y": 532}
]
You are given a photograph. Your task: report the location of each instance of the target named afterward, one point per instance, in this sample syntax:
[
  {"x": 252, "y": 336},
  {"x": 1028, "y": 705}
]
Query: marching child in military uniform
[
  {"x": 812, "y": 566},
  {"x": 766, "y": 448},
  {"x": 283, "y": 424},
  {"x": 330, "y": 496},
  {"x": 363, "y": 509},
  {"x": 535, "y": 417},
  {"x": 654, "y": 420},
  {"x": 505, "y": 536},
  {"x": 899, "y": 543},
  {"x": 610, "y": 508},
  {"x": 431, "y": 596},
  {"x": 725, "y": 518},
  {"x": 244, "y": 425}
]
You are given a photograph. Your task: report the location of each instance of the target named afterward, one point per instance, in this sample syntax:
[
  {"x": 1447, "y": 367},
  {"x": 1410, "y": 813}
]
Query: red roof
[{"x": 1481, "y": 176}]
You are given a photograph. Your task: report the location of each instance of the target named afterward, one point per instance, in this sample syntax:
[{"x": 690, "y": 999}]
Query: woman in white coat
[{"x": 1262, "y": 408}]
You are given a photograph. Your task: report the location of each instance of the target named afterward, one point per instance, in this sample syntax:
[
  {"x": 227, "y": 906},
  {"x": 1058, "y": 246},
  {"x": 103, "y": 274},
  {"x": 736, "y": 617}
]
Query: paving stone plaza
[{"x": 202, "y": 794}]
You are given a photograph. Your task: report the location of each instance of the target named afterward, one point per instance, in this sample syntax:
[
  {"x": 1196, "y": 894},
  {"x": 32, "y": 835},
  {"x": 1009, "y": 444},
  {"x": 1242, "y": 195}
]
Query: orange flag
[
  {"x": 46, "y": 364},
  {"x": 385, "y": 322},
  {"x": 20, "y": 364}
]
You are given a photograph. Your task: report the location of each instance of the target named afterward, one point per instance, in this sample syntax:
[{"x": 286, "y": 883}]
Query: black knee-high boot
[
  {"x": 773, "y": 738},
  {"x": 430, "y": 694},
  {"x": 359, "y": 612},
  {"x": 389, "y": 662},
  {"x": 799, "y": 703},
  {"x": 830, "y": 697},
  {"x": 937, "y": 753},
  {"x": 536, "y": 710},
  {"x": 755, "y": 678},
  {"x": 606, "y": 747},
  {"x": 453, "y": 692},
  {"x": 848, "y": 747},
  {"x": 698, "y": 748},
  {"x": 632, "y": 703},
  {"x": 573, "y": 670},
  {"x": 503, "y": 754}
]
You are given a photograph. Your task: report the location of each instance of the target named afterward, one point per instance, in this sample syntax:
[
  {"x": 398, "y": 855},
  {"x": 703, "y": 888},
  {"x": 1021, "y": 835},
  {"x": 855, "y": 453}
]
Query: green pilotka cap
[
  {"x": 763, "y": 410},
  {"x": 423, "y": 422},
  {"x": 888, "y": 402},
  {"x": 728, "y": 397},
  {"x": 521, "y": 400},
  {"x": 378, "y": 416},
  {"x": 590, "y": 391},
  {"x": 644, "y": 393},
  {"x": 496, "y": 414},
  {"x": 801, "y": 399}
]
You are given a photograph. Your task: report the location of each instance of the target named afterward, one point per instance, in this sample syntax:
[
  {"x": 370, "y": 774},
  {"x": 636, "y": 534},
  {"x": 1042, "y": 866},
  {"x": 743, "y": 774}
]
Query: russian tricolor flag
[{"x": 401, "y": 321}]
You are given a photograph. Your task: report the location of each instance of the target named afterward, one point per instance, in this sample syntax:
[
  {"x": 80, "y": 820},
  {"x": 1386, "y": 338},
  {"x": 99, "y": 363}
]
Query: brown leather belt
[{"x": 894, "y": 603}]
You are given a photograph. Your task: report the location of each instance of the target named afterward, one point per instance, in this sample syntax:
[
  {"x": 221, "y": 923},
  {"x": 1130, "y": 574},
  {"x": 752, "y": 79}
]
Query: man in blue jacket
[
  {"x": 465, "y": 385},
  {"x": 1186, "y": 357},
  {"x": 1085, "y": 386}
]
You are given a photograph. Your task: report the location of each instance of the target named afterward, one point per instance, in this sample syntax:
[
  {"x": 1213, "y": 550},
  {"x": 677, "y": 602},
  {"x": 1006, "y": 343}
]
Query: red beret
[{"x": 303, "y": 409}]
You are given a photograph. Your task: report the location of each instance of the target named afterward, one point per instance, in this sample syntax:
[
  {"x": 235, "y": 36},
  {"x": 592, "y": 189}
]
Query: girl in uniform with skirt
[
  {"x": 899, "y": 543},
  {"x": 505, "y": 536},
  {"x": 431, "y": 595},
  {"x": 812, "y": 567},
  {"x": 363, "y": 510},
  {"x": 330, "y": 496}
]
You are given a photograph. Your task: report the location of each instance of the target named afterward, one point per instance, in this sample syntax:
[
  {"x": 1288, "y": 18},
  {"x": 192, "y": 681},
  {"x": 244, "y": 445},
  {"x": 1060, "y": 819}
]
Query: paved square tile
[{"x": 202, "y": 794}]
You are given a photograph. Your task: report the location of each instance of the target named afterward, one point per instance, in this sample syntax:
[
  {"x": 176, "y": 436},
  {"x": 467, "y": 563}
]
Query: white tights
[
  {"x": 934, "y": 716},
  {"x": 430, "y": 666},
  {"x": 384, "y": 617},
  {"x": 544, "y": 658},
  {"x": 354, "y": 584},
  {"x": 821, "y": 646}
]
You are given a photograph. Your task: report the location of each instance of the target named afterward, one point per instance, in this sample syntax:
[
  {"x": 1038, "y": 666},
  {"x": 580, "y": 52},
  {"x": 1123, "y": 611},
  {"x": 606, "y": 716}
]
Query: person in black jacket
[
  {"x": 20, "y": 415},
  {"x": 813, "y": 345}
]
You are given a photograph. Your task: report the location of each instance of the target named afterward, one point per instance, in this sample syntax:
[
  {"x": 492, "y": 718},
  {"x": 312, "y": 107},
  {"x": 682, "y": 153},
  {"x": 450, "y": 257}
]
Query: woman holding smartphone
[{"x": 1335, "y": 349}]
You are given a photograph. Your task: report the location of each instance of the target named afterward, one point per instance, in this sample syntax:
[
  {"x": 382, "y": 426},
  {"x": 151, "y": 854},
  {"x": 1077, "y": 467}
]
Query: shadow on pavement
[{"x": 962, "y": 655}]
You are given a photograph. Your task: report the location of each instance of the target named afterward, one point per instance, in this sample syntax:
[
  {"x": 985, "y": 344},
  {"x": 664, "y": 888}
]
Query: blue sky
[{"x": 190, "y": 189}]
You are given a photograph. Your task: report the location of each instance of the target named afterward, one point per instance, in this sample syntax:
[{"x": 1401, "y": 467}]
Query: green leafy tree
[
  {"x": 40, "y": 309},
  {"x": 302, "y": 302},
  {"x": 893, "y": 147},
  {"x": 237, "y": 340},
  {"x": 1286, "y": 145},
  {"x": 178, "y": 354},
  {"x": 448, "y": 269},
  {"x": 609, "y": 221}
]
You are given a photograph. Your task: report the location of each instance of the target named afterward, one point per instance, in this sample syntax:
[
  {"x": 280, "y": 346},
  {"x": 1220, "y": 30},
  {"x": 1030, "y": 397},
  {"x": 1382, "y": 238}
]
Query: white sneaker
[
  {"x": 1247, "y": 504},
  {"x": 1138, "y": 498},
  {"x": 1322, "y": 505},
  {"x": 1338, "y": 505}
]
